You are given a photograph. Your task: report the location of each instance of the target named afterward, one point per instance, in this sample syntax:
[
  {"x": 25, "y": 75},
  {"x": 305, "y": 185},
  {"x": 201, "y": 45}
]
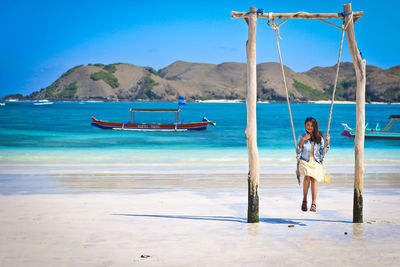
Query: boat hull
[{"x": 191, "y": 126}]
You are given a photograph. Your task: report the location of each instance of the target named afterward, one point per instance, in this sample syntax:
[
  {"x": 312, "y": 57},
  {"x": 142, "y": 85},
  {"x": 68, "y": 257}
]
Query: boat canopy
[
  {"x": 394, "y": 117},
  {"x": 155, "y": 110}
]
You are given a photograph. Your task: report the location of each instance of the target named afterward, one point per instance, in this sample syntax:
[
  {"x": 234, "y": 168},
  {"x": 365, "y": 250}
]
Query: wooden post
[
  {"x": 360, "y": 68},
  {"x": 251, "y": 128}
]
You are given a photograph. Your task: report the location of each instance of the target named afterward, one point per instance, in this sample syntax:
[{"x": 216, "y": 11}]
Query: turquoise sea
[{"x": 58, "y": 138}]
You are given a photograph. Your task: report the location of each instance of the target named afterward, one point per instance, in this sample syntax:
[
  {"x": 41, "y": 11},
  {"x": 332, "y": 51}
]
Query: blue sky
[{"x": 43, "y": 39}]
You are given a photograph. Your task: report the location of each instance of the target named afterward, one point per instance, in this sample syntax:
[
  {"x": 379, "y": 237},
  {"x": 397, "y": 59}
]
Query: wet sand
[{"x": 109, "y": 219}]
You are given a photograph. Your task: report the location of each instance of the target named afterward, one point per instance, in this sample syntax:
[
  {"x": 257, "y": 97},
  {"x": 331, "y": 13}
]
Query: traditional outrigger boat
[
  {"x": 132, "y": 126},
  {"x": 375, "y": 133}
]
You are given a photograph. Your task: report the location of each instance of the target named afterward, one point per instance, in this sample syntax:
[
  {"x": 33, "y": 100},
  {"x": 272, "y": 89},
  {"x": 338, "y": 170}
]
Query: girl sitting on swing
[{"x": 310, "y": 148}]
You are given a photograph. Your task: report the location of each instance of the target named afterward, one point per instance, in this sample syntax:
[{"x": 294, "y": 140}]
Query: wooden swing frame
[{"x": 251, "y": 100}]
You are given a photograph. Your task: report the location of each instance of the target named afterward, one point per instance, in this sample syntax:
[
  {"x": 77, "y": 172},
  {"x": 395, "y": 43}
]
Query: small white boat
[
  {"x": 2, "y": 104},
  {"x": 43, "y": 102}
]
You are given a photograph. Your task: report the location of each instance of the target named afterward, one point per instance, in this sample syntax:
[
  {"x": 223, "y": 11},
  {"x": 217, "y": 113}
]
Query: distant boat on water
[
  {"x": 43, "y": 102},
  {"x": 176, "y": 126},
  {"x": 2, "y": 104},
  {"x": 376, "y": 133}
]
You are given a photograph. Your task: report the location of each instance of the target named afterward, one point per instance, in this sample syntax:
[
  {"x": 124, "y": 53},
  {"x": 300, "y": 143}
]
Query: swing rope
[
  {"x": 275, "y": 27},
  {"x": 287, "y": 92},
  {"x": 344, "y": 27}
]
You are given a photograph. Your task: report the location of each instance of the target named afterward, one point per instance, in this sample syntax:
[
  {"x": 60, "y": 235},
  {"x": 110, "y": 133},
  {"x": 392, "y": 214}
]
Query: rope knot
[{"x": 344, "y": 14}]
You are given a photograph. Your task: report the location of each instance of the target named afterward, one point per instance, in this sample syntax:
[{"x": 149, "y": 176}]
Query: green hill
[{"x": 199, "y": 81}]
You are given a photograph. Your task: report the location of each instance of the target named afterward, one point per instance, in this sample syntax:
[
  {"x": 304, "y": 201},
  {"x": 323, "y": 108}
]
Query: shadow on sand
[
  {"x": 190, "y": 217},
  {"x": 300, "y": 222}
]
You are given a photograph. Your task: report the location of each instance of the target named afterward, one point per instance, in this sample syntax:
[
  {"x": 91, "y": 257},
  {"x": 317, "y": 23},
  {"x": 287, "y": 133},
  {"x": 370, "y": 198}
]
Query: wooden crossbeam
[{"x": 298, "y": 15}]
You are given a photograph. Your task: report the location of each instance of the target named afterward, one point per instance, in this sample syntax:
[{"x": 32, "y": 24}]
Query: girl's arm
[
  {"x": 299, "y": 140},
  {"x": 321, "y": 148},
  {"x": 328, "y": 139},
  {"x": 302, "y": 139}
]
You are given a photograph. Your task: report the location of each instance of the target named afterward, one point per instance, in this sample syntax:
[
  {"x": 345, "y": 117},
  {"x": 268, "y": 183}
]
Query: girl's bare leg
[
  {"x": 306, "y": 186},
  {"x": 314, "y": 190}
]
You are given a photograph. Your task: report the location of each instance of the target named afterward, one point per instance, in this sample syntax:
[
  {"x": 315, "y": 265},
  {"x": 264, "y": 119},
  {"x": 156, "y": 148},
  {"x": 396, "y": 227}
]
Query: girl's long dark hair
[{"x": 316, "y": 135}]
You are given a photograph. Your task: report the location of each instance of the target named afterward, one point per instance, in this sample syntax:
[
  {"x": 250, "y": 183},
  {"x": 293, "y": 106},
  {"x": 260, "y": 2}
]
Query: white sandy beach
[{"x": 198, "y": 220}]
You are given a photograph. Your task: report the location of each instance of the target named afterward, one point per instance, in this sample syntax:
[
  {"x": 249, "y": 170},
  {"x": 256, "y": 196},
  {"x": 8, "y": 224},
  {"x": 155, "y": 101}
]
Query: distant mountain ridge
[{"x": 200, "y": 81}]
